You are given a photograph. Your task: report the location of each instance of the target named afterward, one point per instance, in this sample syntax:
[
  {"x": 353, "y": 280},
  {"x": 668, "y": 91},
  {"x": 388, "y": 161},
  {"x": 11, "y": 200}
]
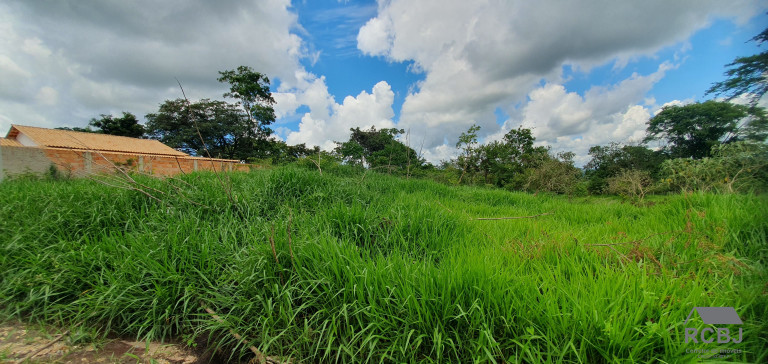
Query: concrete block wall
[{"x": 15, "y": 161}]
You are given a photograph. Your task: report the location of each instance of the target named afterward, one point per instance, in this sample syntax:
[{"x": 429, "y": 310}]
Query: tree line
[
  {"x": 213, "y": 128},
  {"x": 711, "y": 145}
]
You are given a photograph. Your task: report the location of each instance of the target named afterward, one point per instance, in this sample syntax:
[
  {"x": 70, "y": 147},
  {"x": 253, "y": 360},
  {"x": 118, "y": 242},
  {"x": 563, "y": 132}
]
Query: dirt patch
[{"x": 19, "y": 342}]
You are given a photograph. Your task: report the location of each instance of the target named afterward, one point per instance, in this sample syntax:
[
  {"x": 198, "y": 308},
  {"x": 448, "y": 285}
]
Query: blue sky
[
  {"x": 348, "y": 71},
  {"x": 333, "y": 28},
  {"x": 701, "y": 65},
  {"x": 577, "y": 73}
]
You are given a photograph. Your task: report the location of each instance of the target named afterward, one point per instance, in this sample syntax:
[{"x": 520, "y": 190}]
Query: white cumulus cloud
[
  {"x": 364, "y": 110},
  {"x": 478, "y": 56},
  {"x": 106, "y": 57}
]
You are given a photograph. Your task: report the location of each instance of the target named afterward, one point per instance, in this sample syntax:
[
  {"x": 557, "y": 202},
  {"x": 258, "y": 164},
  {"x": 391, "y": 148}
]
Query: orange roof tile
[
  {"x": 5, "y": 142},
  {"x": 54, "y": 138}
]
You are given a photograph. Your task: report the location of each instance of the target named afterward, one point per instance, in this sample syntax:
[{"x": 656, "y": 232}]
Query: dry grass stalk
[
  {"x": 179, "y": 164},
  {"x": 290, "y": 243},
  {"x": 316, "y": 163},
  {"x": 513, "y": 217},
  {"x": 272, "y": 244},
  {"x": 260, "y": 357},
  {"x": 439, "y": 203},
  {"x": 226, "y": 187},
  {"x": 274, "y": 252}
]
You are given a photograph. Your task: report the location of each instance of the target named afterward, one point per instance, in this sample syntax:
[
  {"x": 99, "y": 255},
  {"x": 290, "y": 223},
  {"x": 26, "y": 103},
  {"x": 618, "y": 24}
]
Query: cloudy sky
[{"x": 579, "y": 73}]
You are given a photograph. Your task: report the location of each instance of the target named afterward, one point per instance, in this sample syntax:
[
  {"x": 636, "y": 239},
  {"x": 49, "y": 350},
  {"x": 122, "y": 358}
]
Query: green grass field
[{"x": 373, "y": 268}]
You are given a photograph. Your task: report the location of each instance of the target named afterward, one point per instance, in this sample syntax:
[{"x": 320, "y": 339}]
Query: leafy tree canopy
[
  {"x": 501, "y": 161},
  {"x": 692, "y": 130},
  {"x": 126, "y": 125},
  {"x": 378, "y": 148},
  {"x": 87, "y": 129},
  {"x": 251, "y": 89},
  {"x": 746, "y": 75},
  {"x": 467, "y": 160},
  {"x": 610, "y": 160},
  {"x": 552, "y": 173},
  {"x": 223, "y": 127},
  {"x": 277, "y": 151}
]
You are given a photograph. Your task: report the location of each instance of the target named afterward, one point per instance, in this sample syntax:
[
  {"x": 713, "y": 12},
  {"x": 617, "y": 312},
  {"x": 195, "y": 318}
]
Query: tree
[
  {"x": 520, "y": 144},
  {"x": 351, "y": 152},
  {"x": 491, "y": 162},
  {"x": 378, "y": 148},
  {"x": 610, "y": 160},
  {"x": 692, "y": 130},
  {"x": 468, "y": 145},
  {"x": 278, "y": 152},
  {"x": 251, "y": 89},
  {"x": 216, "y": 126},
  {"x": 747, "y": 75},
  {"x": 553, "y": 173},
  {"x": 127, "y": 125},
  {"x": 87, "y": 129},
  {"x": 501, "y": 163},
  {"x": 505, "y": 161}
]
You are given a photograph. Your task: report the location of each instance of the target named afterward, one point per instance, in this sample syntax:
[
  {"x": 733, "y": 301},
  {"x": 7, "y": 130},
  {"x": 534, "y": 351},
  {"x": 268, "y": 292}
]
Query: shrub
[
  {"x": 631, "y": 184},
  {"x": 553, "y": 175},
  {"x": 734, "y": 167},
  {"x": 54, "y": 173}
]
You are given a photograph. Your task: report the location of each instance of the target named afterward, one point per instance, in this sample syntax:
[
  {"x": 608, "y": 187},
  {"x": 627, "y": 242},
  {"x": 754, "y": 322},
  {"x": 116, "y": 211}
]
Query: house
[{"x": 28, "y": 149}]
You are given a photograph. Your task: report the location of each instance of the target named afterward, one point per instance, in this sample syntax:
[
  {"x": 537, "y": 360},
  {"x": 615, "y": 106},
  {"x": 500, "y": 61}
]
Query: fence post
[
  {"x": 2, "y": 170},
  {"x": 88, "y": 161}
]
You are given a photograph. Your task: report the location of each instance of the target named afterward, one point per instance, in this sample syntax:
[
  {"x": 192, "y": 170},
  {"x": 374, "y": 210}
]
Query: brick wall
[{"x": 17, "y": 160}]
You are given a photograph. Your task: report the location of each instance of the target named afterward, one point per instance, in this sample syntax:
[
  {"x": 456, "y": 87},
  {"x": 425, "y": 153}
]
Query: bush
[
  {"x": 55, "y": 174},
  {"x": 608, "y": 161},
  {"x": 734, "y": 167},
  {"x": 630, "y": 184},
  {"x": 553, "y": 175}
]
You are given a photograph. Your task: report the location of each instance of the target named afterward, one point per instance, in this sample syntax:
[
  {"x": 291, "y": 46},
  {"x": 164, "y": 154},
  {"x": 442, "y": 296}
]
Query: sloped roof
[
  {"x": 5, "y": 142},
  {"x": 67, "y": 139}
]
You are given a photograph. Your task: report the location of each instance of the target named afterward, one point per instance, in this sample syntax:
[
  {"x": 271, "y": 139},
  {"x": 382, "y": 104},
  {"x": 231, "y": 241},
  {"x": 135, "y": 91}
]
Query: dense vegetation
[{"x": 350, "y": 266}]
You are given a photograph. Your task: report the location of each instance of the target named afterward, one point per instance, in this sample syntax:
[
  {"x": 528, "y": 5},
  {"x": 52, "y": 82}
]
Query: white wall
[{"x": 25, "y": 140}]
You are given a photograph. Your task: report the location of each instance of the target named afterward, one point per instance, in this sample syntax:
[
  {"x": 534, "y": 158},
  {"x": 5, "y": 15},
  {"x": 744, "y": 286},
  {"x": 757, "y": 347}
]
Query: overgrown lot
[{"x": 372, "y": 268}]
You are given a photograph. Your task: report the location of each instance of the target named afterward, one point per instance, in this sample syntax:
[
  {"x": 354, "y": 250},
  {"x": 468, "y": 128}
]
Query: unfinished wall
[
  {"x": 19, "y": 160},
  {"x": 15, "y": 161}
]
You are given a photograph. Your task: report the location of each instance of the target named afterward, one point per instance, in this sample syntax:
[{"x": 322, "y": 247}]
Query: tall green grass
[{"x": 382, "y": 269}]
